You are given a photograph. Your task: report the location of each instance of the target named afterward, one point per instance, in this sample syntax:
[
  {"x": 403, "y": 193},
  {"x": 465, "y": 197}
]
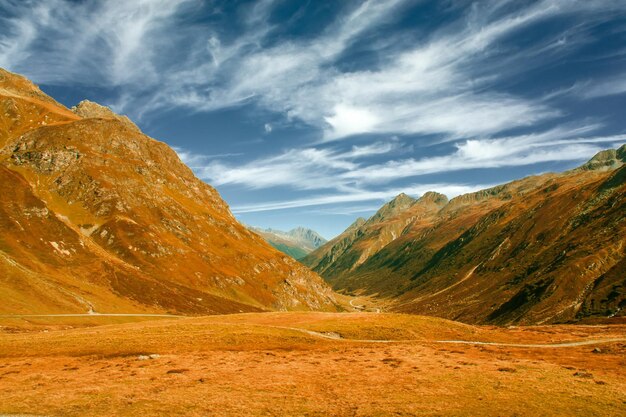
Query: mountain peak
[
  {"x": 434, "y": 197},
  {"x": 18, "y": 83},
  {"x": 91, "y": 110},
  {"x": 399, "y": 204},
  {"x": 403, "y": 198},
  {"x": 297, "y": 242},
  {"x": 605, "y": 160},
  {"x": 356, "y": 224},
  {"x": 308, "y": 236}
]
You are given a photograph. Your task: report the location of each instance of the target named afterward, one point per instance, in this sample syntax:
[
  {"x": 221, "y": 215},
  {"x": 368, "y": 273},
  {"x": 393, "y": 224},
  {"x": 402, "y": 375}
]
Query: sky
[{"x": 315, "y": 112}]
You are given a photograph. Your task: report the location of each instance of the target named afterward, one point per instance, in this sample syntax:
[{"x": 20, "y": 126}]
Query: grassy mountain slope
[
  {"x": 97, "y": 216},
  {"x": 547, "y": 248}
]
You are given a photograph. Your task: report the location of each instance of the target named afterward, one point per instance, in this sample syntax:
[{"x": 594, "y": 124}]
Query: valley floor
[{"x": 345, "y": 364}]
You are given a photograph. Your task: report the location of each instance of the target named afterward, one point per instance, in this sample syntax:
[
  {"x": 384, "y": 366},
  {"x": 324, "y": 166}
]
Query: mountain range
[
  {"x": 543, "y": 249},
  {"x": 296, "y": 243},
  {"x": 96, "y": 216}
]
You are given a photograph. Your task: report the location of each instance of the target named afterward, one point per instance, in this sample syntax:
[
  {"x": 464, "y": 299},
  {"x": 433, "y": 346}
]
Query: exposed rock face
[
  {"x": 309, "y": 237},
  {"x": 606, "y": 160},
  {"x": 90, "y": 110},
  {"x": 96, "y": 215},
  {"x": 399, "y": 204},
  {"x": 297, "y": 242},
  {"x": 547, "y": 248}
]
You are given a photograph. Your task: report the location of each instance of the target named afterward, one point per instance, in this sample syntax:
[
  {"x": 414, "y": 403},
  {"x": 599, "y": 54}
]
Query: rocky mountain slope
[
  {"x": 548, "y": 248},
  {"x": 364, "y": 238},
  {"x": 96, "y": 216},
  {"x": 296, "y": 243}
]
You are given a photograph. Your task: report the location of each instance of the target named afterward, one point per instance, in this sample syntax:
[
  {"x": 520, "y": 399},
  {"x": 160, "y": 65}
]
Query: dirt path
[
  {"x": 427, "y": 296},
  {"x": 538, "y": 345},
  {"x": 336, "y": 336},
  {"x": 363, "y": 308},
  {"x": 424, "y": 297}
]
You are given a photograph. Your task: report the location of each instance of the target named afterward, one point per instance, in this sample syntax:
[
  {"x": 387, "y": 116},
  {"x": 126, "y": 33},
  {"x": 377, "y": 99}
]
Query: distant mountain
[
  {"x": 547, "y": 248},
  {"x": 96, "y": 216},
  {"x": 296, "y": 243}
]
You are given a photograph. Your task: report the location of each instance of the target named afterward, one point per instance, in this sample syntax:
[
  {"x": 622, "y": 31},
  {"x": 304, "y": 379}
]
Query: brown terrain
[
  {"x": 97, "y": 217},
  {"x": 544, "y": 249},
  {"x": 308, "y": 364}
]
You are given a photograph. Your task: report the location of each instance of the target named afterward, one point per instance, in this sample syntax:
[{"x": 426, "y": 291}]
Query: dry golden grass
[{"x": 266, "y": 364}]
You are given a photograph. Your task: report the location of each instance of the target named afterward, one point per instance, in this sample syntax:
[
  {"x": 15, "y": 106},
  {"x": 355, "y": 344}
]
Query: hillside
[
  {"x": 364, "y": 238},
  {"x": 296, "y": 243},
  {"x": 548, "y": 248},
  {"x": 96, "y": 216}
]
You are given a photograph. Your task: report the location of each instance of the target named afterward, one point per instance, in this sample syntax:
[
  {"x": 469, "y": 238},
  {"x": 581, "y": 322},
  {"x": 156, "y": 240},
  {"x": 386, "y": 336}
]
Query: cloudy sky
[{"x": 315, "y": 112}]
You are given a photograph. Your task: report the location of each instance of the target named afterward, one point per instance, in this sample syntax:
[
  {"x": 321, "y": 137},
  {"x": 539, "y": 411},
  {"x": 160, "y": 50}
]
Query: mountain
[
  {"x": 342, "y": 255},
  {"x": 544, "y": 249},
  {"x": 97, "y": 216},
  {"x": 296, "y": 243}
]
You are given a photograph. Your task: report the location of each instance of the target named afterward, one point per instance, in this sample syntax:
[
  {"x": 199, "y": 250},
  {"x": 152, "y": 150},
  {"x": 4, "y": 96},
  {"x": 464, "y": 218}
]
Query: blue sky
[{"x": 316, "y": 112}]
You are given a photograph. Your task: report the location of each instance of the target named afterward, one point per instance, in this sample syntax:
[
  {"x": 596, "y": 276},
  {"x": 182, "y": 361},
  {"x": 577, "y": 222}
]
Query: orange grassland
[{"x": 265, "y": 364}]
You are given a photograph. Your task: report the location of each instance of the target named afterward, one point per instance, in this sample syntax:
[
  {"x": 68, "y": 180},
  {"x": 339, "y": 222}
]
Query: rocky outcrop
[{"x": 90, "y": 110}]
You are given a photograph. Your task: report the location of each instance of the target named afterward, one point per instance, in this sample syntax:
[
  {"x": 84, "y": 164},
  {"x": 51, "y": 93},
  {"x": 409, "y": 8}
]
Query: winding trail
[
  {"x": 537, "y": 345},
  {"x": 363, "y": 308},
  {"x": 337, "y": 337},
  {"x": 467, "y": 276}
]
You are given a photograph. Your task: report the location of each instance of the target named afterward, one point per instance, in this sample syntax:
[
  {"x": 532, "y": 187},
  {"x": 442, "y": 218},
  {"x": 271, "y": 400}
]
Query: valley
[{"x": 129, "y": 288}]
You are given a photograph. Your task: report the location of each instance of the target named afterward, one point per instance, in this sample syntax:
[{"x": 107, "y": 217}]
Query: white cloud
[
  {"x": 305, "y": 169},
  {"x": 348, "y": 120},
  {"x": 349, "y": 170},
  {"x": 440, "y": 85},
  {"x": 530, "y": 149},
  {"x": 487, "y": 153},
  {"x": 610, "y": 87},
  {"x": 451, "y": 190},
  {"x": 198, "y": 161}
]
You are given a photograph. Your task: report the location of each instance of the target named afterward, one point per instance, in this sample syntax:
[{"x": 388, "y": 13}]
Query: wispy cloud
[
  {"x": 345, "y": 171},
  {"x": 304, "y": 169},
  {"x": 104, "y": 43},
  {"x": 442, "y": 85},
  {"x": 604, "y": 88},
  {"x": 199, "y": 161},
  {"x": 451, "y": 190},
  {"x": 487, "y": 153}
]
